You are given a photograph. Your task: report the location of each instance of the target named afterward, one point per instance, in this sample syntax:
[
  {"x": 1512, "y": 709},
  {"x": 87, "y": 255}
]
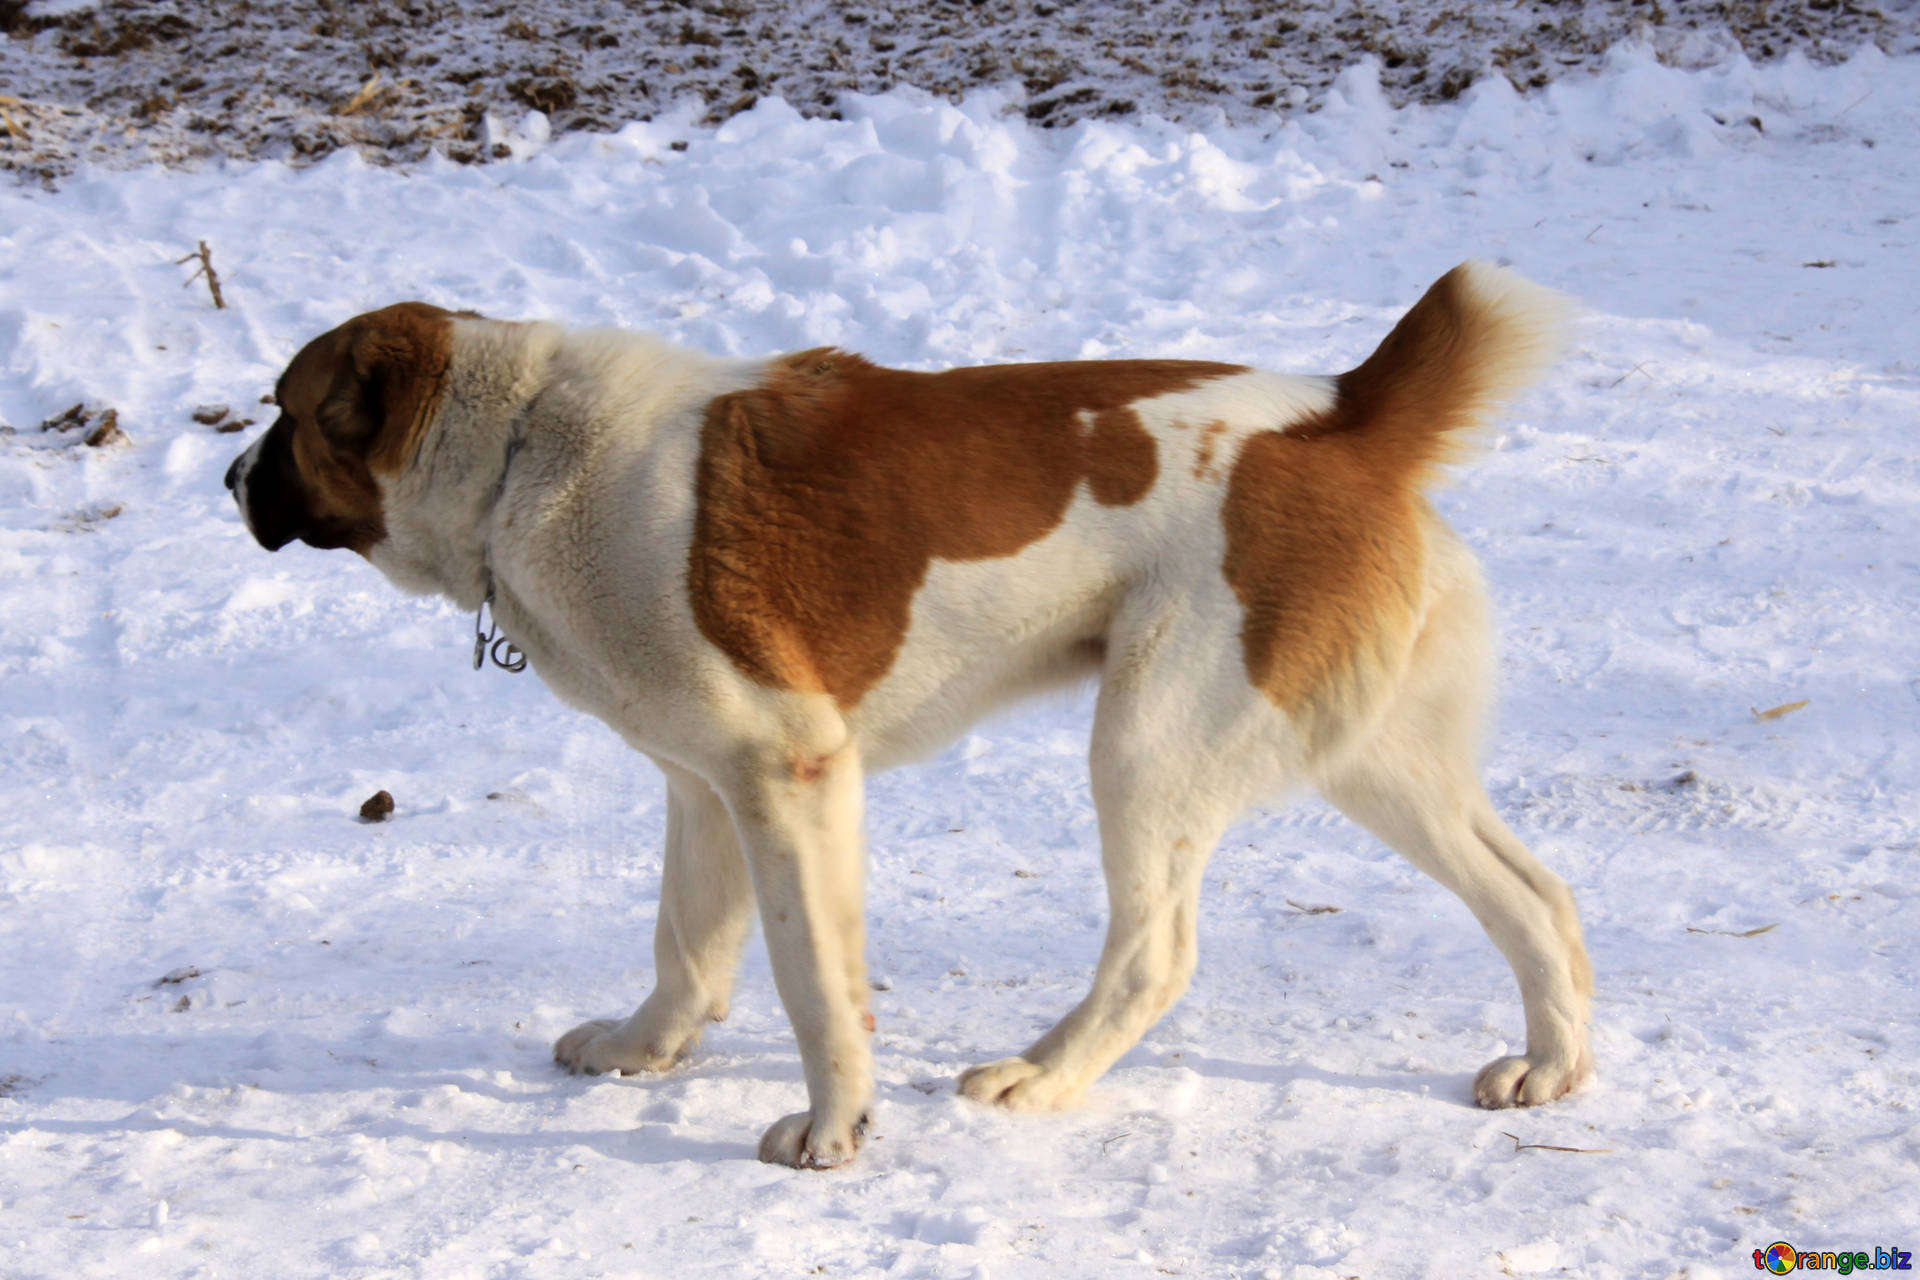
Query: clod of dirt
[
  {"x": 209, "y": 414},
  {"x": 102, "y": 426},
  {"x": 106, "y": 431},
  {"x": 66, "y": 419},
  {"x": 184, "y": 973},
  {"x": 378, "y": 807}
]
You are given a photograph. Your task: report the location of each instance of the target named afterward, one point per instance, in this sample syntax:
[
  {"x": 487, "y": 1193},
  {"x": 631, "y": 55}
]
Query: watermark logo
[{"x": 1782, "y": 1259}]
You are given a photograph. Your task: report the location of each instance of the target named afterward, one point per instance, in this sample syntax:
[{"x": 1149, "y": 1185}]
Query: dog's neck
[
  {"x": 524, "y": 403},
  {"x": 441, "y": 510}
]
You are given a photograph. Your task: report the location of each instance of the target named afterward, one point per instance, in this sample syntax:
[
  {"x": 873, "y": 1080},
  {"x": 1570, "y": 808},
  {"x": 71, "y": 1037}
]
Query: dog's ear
[
  {"x": 346, "y": 404},
  {"x": 384, "y": 375}
]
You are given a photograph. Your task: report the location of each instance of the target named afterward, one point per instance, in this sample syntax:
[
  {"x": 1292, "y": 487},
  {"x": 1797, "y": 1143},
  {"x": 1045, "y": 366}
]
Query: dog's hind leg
[
  {"x": 706, "y": 909},
  {"x": 1415, "y": 785},
  {"x": 1163, "y": 802}
]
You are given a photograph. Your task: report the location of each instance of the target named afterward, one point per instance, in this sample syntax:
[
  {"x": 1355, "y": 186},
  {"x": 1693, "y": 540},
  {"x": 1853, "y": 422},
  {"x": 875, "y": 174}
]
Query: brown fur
[
  {"x": 1324, "y": 520},
  {"x": 358, "y": 399},
  {"x": 1325, "y": 556},
  {"x": 1414, "y": 400},
  {"x": 1203, "y": 459},
  {"x": 826, "y": 493}
]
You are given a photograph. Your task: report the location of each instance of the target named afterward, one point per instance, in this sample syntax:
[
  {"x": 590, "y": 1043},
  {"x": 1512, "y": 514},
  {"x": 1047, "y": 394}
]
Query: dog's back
[{"x": 920, "y": 547}]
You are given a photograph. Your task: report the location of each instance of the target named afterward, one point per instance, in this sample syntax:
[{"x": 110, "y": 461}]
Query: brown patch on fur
[
  {"x": 1120, "y": 458},
  {"x": 826, "y": 493},
  {"x": 358, "y": 398},
  {"x": 1324, "y": 521},
  {"x": 866, "y": 1020},
  {"x": 1423, "y": 387},
  {"x": 809, "y": 768},
  {"x": 1325, "y": 555},
  {"x": 1209, "y": 443}
]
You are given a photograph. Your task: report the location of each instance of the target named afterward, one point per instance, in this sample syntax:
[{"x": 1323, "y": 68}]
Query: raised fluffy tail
[{"x": 1477, "y": 338}]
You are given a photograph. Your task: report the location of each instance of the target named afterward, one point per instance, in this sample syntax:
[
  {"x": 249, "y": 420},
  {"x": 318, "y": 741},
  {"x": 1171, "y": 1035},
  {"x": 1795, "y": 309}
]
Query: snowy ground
[
  {"x": 110, "y": 81},
  {"x": 243, "y": 1034}
]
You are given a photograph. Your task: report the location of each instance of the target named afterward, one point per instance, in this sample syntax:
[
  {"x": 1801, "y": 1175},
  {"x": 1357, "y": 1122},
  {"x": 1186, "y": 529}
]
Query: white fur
[
  {"x": 243, "y": 467},
  {"x": 588, "y": 540}
]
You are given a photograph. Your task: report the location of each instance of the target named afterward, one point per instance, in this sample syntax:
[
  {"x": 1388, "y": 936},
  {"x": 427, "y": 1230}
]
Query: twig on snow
[
  {"x": 1738, "y": 933},
  {"x": 1784, "y": 709},
  {"x": 1856, "y": 102},
  {"x": 1548, "y": 1146},
  {"x": 205, "y": 255}
]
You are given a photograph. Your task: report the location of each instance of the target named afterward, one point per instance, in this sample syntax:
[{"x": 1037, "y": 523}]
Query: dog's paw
[
  {"x": 796, "y": 1142},
  {"x": 1528, "y": 1081},
  {"x": 1020, "y": 1085},
  {"x": 594, "y": 1048}
]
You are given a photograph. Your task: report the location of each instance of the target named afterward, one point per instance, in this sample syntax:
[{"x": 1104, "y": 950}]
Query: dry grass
[{"x": 131, "y": 80}]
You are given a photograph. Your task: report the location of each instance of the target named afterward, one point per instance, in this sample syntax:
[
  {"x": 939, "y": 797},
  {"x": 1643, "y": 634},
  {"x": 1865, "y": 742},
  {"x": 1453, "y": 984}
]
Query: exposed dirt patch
[
  {"x": 122, "y": 81},
  {"x": 95, "y": 426}
]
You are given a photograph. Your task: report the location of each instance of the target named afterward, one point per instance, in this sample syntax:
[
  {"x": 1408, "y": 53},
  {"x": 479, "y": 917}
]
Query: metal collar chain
[{"x": 490, "y": 645}]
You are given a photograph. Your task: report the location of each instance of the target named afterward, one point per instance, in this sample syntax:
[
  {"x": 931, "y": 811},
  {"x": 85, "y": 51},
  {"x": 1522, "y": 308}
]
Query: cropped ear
[{"x": 388, "y": 369}]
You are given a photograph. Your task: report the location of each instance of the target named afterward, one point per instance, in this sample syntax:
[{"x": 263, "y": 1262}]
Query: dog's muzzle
[
  {"x": 237, "y": 480},
  {"x": 272, "y": 516},
  {"x": 238, "y": 472}
]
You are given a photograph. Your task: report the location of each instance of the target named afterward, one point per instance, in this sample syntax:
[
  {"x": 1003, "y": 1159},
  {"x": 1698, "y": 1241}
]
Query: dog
[{"x": 775, "y": 576}]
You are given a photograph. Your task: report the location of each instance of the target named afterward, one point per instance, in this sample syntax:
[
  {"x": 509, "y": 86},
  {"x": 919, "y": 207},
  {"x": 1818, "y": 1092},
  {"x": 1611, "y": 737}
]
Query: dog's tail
[{"x": 1480, "y": 335}]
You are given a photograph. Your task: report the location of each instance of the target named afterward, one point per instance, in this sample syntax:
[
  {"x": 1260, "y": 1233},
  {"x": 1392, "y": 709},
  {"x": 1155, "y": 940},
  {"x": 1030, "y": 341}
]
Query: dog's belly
[{"x": 985, "y": 633}]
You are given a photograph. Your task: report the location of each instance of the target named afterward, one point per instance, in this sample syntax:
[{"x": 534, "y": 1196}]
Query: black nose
[{"x": 233, "y": 474}]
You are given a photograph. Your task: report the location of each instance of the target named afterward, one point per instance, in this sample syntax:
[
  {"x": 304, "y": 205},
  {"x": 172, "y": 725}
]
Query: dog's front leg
[
  {"x": 799, "y": 818},
  {"x": 706, "y": 907}
]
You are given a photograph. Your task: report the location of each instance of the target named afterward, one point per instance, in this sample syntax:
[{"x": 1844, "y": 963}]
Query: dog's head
[{"x": 353, "y": 406}]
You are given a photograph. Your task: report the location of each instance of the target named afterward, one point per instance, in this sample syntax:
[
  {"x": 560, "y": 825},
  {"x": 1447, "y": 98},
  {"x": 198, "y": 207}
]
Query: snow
[
  {"x": 243, "y": 1033},
  {"x": 120, "y": 81}
]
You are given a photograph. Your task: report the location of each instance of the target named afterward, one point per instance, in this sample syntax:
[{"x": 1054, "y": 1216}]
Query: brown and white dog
[{"x": 776, "y": 576}]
